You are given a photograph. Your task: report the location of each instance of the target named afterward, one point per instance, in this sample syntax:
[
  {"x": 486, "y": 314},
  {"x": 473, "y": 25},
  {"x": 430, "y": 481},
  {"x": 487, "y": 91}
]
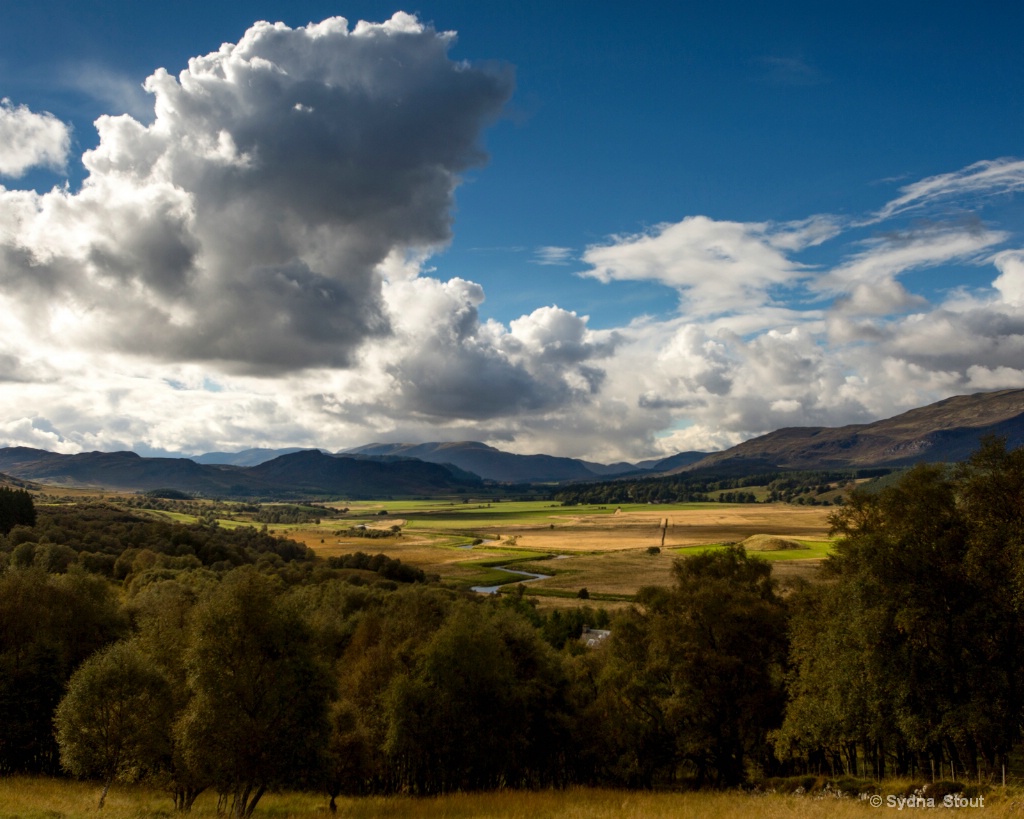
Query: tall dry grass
[{"x": 43, "y": 798}]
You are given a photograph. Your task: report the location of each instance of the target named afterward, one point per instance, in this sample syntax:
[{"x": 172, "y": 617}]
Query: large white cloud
[
  {"x": 244, "y": 225},
  {"x": 28, "y": 140}
]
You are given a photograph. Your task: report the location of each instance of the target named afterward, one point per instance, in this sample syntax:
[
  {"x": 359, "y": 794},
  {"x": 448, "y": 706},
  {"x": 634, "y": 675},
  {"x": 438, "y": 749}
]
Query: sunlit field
[
  {"x": 42, "y": 798},
  {"x": 604, "y": 549}
]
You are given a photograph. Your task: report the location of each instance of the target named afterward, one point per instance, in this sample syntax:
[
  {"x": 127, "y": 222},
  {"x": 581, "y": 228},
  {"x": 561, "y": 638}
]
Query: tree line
[
  {"x": 907, "y": 659},
  {"x": 789, "y": 486}
]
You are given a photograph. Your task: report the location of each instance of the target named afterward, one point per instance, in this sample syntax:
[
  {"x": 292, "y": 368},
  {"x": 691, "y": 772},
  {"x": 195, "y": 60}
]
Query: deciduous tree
[
  {"x": 114, "y": 721},
  {"x": 257, "y": 717}
]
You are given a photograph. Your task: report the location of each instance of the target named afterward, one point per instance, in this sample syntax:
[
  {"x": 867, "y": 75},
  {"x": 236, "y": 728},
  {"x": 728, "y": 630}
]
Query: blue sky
[{"x": 694, "y": 224}]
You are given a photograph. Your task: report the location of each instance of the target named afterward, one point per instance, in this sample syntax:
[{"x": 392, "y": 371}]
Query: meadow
[{"x": 45, "y": 798}]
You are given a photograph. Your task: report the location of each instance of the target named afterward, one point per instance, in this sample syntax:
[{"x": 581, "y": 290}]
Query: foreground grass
[{"x": 42, "y": 798}]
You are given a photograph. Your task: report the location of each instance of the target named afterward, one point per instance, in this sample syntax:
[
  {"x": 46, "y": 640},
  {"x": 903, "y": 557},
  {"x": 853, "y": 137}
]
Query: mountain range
[
  {"x": 949, "y": 430},
  {"x": 506, "y": 467},
  {"x": 303, "y": 474}
]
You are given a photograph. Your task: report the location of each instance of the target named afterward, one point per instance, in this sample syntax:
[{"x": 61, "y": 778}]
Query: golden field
[{"x": 44, "y": 798}]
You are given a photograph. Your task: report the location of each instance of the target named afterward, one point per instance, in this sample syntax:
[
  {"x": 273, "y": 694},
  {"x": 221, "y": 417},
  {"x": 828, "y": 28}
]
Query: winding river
[{"x": 494, "y": 589}]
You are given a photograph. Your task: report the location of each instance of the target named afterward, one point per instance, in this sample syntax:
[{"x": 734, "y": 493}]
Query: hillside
[
  {"x": 299, "y": 474},
  {"x": 495, "y": 465},
  {"x": 946, "y": 431},
  {"x": 315, "y": 472},
  {"x": 247, "y": 457}
]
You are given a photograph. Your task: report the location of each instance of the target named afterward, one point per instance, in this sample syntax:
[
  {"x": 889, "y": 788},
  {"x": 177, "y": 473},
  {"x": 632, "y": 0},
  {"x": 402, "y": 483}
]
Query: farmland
[
  {"x": 611, "y": 551},
  {"x": 602, "y": 549}
]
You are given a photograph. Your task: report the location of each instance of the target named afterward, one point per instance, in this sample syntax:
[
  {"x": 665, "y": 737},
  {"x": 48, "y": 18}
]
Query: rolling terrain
[{"x": 947, "y": 431}]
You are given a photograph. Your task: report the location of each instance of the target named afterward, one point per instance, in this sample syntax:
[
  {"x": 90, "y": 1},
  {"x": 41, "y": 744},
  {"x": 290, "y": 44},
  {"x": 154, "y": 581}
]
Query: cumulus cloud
[
  {"x": 446, "y": 365},
  {"x": 716, "y": 266},
  {"x": 245, "y": 224},
  {"x": 1010, "y": 282},
  {"x": 29, "y": 140}
]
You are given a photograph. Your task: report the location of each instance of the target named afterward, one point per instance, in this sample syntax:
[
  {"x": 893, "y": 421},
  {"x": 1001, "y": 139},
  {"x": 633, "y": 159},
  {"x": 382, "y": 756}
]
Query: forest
[{"x": 204, "y": 659}]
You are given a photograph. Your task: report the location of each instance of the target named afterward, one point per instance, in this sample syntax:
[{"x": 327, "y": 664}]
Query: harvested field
[
  {"x": 686, "y": 527},
  {"x": 613, "y": 573}
]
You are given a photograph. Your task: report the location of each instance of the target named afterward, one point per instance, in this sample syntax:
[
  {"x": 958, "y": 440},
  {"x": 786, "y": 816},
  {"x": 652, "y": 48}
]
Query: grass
[
  {"x": 44, "y": 798},
  {"x": 809, "y": 550}
]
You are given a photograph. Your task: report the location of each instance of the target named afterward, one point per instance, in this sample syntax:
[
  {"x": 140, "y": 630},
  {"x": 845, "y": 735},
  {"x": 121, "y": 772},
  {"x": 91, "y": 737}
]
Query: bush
[
  {"x": 790, "y": 784},
  {"x": 942, "y": 788}
]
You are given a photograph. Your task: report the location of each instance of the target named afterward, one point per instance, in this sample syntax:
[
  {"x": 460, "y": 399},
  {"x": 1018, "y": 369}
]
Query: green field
[{"x": 813, "y": 550}]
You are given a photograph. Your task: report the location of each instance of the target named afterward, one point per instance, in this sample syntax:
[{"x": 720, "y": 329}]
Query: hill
[
  {"x": 317, "y": 473},
  {"x": 672, "y": 462},
  {"x": 495, "y": 465},
  {"x": 946, "y": 431}
]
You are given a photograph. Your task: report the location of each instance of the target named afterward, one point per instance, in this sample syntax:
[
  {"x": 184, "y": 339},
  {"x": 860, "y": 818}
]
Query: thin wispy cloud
[
  {"x": 118, "y": 92},
  {"x": 792, "y": 71},
  {"x": 553, "y": 255},
  {"x": 982, "y": 180}
]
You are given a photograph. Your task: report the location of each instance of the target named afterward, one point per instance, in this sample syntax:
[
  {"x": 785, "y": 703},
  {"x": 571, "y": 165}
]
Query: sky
[{"x": 574, "y": 228}]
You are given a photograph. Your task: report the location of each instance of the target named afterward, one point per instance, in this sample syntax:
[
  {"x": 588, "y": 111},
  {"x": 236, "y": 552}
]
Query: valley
[{"x": 605, "y": 550}]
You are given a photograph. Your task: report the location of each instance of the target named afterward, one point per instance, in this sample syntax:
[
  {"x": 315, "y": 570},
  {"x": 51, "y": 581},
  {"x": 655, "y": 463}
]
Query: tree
[
  {"x": 49, "y": 624},
  {"x": 388, "y": 635},
  {"x": 257, "y": 717},
  {"x": 161, "y": 611},
  {"x": 479, "y": 710},
  {"x": 921, "y": 621},
  {"x": 699, "y": 669},
  {"x": 114, "y": 721},
  {"x": 16, "y": 509}
]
